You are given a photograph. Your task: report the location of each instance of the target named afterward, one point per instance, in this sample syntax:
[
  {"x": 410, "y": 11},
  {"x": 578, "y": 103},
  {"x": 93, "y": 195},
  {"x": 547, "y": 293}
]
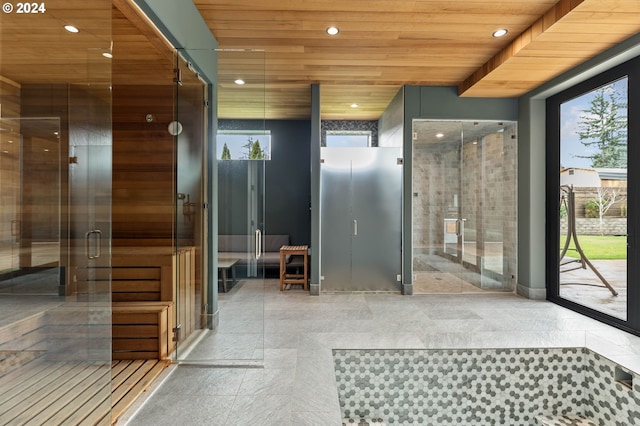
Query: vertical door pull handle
[
  {"x": 96, "y": 253},
  {"x": 355, "y": 227},
  {"x": 258, "y": 244}
]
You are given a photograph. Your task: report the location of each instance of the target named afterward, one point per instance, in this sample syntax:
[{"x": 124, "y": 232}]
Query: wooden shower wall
[{"x": 143, "y": 165}]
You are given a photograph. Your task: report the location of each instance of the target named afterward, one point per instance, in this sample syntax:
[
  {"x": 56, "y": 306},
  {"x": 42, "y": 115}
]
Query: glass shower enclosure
[{"x": 464, "y": 206}]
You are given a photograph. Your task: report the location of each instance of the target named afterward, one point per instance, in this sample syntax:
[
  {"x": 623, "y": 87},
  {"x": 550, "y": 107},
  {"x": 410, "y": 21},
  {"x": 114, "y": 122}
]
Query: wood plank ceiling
[{"x": 384, "y": 44}]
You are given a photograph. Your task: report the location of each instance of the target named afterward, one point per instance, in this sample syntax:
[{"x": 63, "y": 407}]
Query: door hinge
[
  {"x": 177, "y": 77},
  {"x": 177, "y": 333}
]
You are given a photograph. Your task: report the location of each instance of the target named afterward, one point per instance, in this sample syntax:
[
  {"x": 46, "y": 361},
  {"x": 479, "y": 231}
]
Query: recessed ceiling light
[
  {"x": 239, "y": 82},
  {"x": 107, "y": 55},
  {"x": 333, "y": 31},
  {"x": 71, "y": 28},
  {"x": 439, "y": 135},
  {"x": 500, "y": 33},
  {"x": 354, "y": 105}
]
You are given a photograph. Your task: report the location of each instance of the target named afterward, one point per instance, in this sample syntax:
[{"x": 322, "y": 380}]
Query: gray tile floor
[{"x": 297, "y": 384}]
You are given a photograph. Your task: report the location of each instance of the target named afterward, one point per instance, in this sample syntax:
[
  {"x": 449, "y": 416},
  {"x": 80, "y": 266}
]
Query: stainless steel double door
[{"x": 361, "y": 221}]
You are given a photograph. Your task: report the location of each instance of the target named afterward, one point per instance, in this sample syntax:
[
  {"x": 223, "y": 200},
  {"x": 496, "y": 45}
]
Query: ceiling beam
[
  {"x": 542, "y": 25},
  {"x": 136, "y": 16}
]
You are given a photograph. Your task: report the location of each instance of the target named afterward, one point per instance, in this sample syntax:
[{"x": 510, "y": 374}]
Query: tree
[
  {"x": 226, "y": 154},
  {"x": 598, "y": 207},
  {"x": 256, "y": 151},
  {"x": 604, "y": 126}
]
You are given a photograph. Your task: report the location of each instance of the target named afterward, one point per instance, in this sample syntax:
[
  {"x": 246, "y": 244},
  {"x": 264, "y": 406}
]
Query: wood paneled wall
[
  {"x": 143, "y": 165},
  {"x": 9, "y": 98},
  {"x": 150, "y": 168}
]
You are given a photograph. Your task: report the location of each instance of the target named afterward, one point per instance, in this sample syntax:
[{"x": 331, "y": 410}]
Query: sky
[{"x": 570, "y": 113}]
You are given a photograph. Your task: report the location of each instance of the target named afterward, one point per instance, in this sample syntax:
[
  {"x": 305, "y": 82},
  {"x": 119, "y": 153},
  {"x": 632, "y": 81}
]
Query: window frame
[
  {"x": 249, "y": 133},
  {"x": 366, "y": 133},
  {"x": 631, "y": 70}
]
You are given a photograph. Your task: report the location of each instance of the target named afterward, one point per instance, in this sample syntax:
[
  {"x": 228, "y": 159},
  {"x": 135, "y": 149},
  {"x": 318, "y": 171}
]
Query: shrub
[{"x": 592, "y": 209}]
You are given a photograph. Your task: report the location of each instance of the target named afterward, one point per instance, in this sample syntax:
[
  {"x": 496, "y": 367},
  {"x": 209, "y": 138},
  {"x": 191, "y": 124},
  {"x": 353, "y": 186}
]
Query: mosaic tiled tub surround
[{"x": 482, "y": 386}]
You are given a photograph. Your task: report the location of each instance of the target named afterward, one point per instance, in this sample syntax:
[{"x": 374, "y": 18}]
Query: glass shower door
[
  {"x": 463, "y": 206},
  {"x": 439, "y": 227}
]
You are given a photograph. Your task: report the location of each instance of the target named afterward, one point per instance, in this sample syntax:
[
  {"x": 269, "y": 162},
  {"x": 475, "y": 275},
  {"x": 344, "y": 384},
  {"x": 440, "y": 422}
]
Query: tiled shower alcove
[{"x": 483, "y": 386}]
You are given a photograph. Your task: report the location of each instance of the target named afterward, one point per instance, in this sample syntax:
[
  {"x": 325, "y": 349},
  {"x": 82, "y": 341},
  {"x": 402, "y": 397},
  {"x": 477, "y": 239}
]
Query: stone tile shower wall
[
  {"x": 482, "y": 387},
  {"x": 433, "y": 172}
]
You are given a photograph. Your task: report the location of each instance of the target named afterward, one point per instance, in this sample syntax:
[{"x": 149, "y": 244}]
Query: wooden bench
[
  {"x": 148, "y": 281},
  {"x": 152, "y": 290},
  {"x": 142, "y": 330}
]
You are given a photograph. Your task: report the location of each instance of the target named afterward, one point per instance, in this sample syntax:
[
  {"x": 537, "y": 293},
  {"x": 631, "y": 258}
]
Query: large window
[{"x": 590, "y": 202}]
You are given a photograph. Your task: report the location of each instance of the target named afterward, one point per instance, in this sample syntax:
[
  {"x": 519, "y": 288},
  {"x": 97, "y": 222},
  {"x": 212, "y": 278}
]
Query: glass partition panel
[
  {"x": 188, "y": 131},
  {"x": 245, "y": 248},
  {"x": 55, "y": 190},
  {"x": 231, "y": 328},
  {"x": 464, "y": 206}
]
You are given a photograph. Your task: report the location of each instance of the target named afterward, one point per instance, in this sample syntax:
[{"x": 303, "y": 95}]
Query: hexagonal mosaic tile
[{"x": 481, "y": 387}]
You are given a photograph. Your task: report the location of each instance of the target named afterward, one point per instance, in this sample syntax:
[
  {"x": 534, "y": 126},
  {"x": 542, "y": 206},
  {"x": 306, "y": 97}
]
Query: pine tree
[
  {"x": 256, "y": 152},
  {"x": 604, "y": 126},
  {"x": 226, "y": 154}
]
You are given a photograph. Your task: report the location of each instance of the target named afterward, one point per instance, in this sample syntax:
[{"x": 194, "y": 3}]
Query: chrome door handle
[
  {"x": 258, "y": 245},
  {"x": 355, "y": 227},
  {"x": 87, "y": 237}
]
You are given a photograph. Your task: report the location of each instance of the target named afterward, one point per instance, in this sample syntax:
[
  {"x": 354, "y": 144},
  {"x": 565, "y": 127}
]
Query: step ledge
[{"x": 570, "y": 420}]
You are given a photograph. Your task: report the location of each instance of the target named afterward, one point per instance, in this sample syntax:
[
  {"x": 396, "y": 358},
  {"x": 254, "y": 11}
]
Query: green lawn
[{"x": 599, "y": 247}]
